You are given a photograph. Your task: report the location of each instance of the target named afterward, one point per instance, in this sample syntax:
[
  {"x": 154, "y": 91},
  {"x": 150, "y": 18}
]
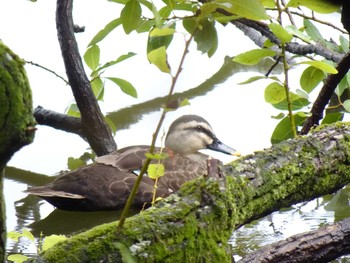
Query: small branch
[
  {"x": 286, "y": 71},
  {"x": 325, "y": 94},
  {"x": 58, "y": 121},
  {"x": 47, "y": 69},
  {"x": 259, "y": 33},
  {"x": 319, "y": 21},
  {"x": 93, "y": 125}
]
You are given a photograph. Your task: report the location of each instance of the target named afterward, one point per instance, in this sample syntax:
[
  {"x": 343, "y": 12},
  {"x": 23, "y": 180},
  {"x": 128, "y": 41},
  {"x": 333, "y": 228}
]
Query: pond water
[{"x": 238, "y": 115}]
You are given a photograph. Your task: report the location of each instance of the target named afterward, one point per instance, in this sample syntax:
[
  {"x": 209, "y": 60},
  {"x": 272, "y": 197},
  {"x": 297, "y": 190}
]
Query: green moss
[{"x": 16, "y": 119}]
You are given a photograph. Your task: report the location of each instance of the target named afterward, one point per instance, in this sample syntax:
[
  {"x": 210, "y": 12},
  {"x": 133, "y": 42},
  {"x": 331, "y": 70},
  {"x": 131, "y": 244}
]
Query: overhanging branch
[{"x": 93, "y": 125}]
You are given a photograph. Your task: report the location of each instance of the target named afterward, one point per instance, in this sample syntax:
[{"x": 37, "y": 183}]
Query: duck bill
[{"x": 218, "y": 146}]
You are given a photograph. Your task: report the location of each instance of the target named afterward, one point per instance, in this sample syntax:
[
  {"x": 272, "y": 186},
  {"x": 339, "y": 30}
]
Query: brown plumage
[{"x": 106, "y": 184}]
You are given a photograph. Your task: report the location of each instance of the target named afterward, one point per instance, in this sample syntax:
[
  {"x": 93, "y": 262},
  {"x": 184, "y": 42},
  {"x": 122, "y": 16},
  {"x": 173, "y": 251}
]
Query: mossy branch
[{"x": 195, "y": 223}]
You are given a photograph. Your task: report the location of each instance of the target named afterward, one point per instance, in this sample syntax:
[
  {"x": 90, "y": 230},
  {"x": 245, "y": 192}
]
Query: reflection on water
[{"x": 297, "y": 219}]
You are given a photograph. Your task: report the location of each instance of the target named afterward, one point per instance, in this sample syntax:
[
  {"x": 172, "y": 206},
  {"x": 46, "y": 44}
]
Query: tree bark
[
  {"x": 16, "y": 120},
  {"x": 194, "y": 224},
  {"x": 94, "y": 128}
]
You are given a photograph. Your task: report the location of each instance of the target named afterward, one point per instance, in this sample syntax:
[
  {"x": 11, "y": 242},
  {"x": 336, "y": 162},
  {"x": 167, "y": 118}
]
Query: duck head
[{"x": 190, "y": 133}]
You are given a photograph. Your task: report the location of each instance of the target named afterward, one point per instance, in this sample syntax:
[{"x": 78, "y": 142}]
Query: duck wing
[
  {"x": 126, "y": 159},
  {"x": 179, "y": 170},
  {"x": 95, "y": 187}
]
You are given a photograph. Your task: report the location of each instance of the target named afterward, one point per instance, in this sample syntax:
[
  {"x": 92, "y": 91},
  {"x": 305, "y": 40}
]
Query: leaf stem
[
  {"x": 154, "y": 138},
  {"x": 286, "y": 82}
]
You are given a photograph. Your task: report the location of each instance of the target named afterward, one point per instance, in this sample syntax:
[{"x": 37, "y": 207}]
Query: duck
[{"x": 107, "y": 183}]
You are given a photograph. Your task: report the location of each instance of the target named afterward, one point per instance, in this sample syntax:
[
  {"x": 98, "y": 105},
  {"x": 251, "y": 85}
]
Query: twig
[{"x": 47, "y": 69}]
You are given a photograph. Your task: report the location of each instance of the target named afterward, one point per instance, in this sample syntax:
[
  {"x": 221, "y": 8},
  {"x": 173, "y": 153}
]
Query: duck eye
[{"x": 199, "y": 128}]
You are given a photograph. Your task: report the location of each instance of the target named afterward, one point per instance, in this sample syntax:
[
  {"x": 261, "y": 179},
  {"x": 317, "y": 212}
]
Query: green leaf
[
  {"x": 319, "y": 6},
  {"x": 302, "y": 94},
  {"x": 325, "y": 67},
  {"x": 27, "y": 234},
  {"x": 283, "y": 35},
  {"x": 145, "y": 26},
  {"x": 283, "y": 130},
  {"x": 158, "y": 57},
  {"x": 92, "y": 57},
  {"x": 104, "y": 32},
  {"x": 346, "y": 105},
  {"x": 157, "y": 156},
  {"x": 98, "y": 88},
  {"x": 147, "y": 4},
  {"x": 312, "y": 31},
  {"x": 206, "y": 37},
  {"x": 75, "y": 163},
  {"x": 111, "y": 124},
  {"x": 332, "y": 118},
  {"x": 17, "y": 258},
  {"x": 131, "y": 16},
  {"x": 297, "y": 102},
  {"x": 161, "y": 37},
  {"x": 268, "y": 3},
  {"x": 125, "y": 86},
  {"x": 253, "y": 57},
  {"x": 52, "y": 240},
  {"x": 160, "y": 32},
  {"x": 298, "y": 33},
  {"x": 279, "y": 116},
  {"x": 251, "y": 80},
  {"x": 73, "y": 110},
  {"x": 118, "y": 60},
  {"x": 344, "y": 43},
  {"x": 343, "y": 85},
  {"x": 155, "y": 170},
  {"x": 14, "y": 235},
  {"x": 310, "y": 78},
  {"x": 251, "y": 9},
  {"x": 274, "y": 93}
]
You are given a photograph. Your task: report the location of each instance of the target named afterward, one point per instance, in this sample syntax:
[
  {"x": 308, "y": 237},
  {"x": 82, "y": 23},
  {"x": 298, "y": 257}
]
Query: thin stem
[
  {"x": 154, "y": 138},
  {"x": 47, "y": 69},
  {"x": 286, "y": 69}
]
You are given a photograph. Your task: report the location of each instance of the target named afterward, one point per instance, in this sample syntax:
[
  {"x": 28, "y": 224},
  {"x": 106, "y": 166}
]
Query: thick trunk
[
  {"x": 16, "y": 120},
  {"x": 194, "y": 225}
]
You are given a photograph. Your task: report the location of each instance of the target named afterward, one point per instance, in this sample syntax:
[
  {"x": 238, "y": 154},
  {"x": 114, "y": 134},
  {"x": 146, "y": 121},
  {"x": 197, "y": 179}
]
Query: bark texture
[
  {"x": 194, "y": 225},
  {"x": 93, "y": 126},
  {"x": 16, "y": 120}
]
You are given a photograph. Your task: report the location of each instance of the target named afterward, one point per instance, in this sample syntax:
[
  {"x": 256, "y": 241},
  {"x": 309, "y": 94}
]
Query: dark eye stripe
[{"x": 201, "y": 129}]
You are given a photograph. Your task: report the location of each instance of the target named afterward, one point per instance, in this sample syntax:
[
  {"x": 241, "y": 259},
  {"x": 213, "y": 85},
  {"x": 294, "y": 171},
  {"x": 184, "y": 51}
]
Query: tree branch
[
  {"x": 194, "y": 224},
  {"x": 326, "y": 93},
  {"x": 258, "y": 32},
  {"x": 93, "y": 125},
  {"x": 58, "y": 121}
]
